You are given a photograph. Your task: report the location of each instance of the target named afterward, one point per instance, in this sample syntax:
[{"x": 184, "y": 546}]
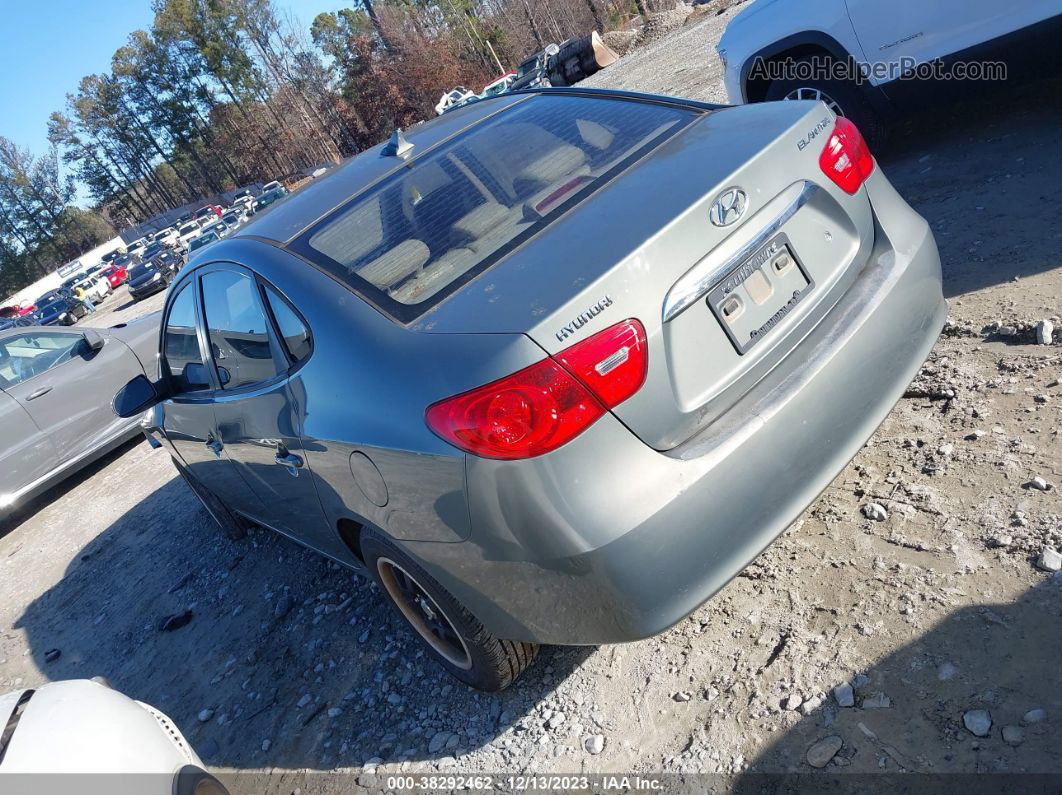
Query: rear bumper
[{"x": 607, "y": 540}]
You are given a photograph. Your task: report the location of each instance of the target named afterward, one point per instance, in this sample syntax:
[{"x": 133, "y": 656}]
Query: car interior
[
  {"x": 27, "y": 355},
  {"x": 473, "y": 199}
]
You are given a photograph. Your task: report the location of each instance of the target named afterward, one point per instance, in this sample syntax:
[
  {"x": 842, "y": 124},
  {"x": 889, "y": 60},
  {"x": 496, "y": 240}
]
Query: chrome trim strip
[{"x": 702, "y": 277}]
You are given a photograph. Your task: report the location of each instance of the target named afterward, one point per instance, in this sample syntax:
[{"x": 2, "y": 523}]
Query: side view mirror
[
  {"x": 195, "y": 375},
  {"x": 93, "y": 339},
  {"x": 135, "y": 397}
]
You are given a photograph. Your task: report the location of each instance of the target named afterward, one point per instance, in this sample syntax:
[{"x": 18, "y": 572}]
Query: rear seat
[
  {"x": 441, "y": 272},
  {"x": 490, "y": 226},
  {"x": 560, "y": 165}
]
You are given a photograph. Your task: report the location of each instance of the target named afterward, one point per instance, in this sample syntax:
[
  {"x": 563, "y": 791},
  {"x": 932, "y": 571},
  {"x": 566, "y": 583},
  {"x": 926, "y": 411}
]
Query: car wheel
[
  {"x": 232, "y": 524},
  {"x": 455, "y": 637},
  {"x": 843, "y": 97}
]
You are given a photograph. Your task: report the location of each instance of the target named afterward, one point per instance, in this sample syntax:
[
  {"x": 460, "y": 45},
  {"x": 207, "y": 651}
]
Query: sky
[{"x": 47, "y": 46}]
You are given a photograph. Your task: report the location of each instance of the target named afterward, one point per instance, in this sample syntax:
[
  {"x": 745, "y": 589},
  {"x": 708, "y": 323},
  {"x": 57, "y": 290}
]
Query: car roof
[{"x": 285, "y": 219}]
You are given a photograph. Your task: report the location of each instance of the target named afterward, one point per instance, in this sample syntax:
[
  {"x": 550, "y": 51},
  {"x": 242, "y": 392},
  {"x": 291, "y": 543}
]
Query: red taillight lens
[
  {"x": 546, "y": 405},
  {"x": 846, "y": 159},
  {"x": 522, "y": 415},
  {"x": 612, "y": 363}
]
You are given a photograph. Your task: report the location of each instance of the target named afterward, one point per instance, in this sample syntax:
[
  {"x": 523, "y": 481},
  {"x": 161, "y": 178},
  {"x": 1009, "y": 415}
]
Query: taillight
[
  {"x": 536, "y": 410},
  {"x": 846, "y": 159},
  {"x": 612, "y": 363}
]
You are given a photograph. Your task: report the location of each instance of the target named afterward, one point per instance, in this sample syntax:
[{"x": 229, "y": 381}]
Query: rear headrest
[
  {"x": 482, "y": 219},
  {"x": 549, "y": 168},
  {"x": 395, "y": 264}
]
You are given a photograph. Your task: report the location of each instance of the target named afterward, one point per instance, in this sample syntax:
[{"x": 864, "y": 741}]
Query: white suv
[
  {"x": 186, "y": 232},
  {"x": 868, "y": 59}
]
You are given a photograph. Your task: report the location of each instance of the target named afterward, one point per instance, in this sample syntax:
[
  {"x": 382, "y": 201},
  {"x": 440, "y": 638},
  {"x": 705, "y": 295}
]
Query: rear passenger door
[
  {"x": 188, "y": 414},
  {"x": 258, "y": 421},
  {"x": 926, "y": 30}
]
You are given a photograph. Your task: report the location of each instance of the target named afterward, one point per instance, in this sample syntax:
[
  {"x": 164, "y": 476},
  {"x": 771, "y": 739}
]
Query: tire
[
  {"x": 842, "y": 96},
  {"x": 469, "y": 651},
  {"x": 232, "y": 524}
]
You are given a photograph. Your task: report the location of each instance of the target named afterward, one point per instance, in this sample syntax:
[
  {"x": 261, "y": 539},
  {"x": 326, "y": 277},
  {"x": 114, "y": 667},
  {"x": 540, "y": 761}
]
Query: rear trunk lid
[{"x": 724, "y": 293}]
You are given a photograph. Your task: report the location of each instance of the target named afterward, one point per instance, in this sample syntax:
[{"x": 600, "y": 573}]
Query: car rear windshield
[{"x": 450, "y": 214}]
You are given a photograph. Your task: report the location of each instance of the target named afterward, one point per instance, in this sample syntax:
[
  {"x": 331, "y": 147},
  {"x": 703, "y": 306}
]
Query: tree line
[{"x": 221, "y": 93}]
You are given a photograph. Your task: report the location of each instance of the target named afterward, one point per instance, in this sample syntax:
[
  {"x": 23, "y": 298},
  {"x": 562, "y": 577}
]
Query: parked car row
[
  {"x": 219, "y": 221},
  {"x": 92, "y": 282},
  {"x": 69, "y": 302}
]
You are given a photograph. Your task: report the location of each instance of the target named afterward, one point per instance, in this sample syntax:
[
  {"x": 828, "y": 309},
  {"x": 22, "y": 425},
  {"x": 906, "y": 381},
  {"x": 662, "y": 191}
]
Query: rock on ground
[
  {"x": 594, "y": 744},
  {"x": 820, "y": 754},
  {"x": 875, "y": 512},
  {"x": 844, "y": 695},
  {"x": 978, "y": 722},
  {"x": 1050, "y": 559},
  {"x": 1013, "y": 735},
  {"x": 1034, "y": 716}
]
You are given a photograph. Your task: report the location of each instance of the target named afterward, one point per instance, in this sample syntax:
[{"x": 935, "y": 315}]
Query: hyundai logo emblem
[{"x": 728, "y": 207}]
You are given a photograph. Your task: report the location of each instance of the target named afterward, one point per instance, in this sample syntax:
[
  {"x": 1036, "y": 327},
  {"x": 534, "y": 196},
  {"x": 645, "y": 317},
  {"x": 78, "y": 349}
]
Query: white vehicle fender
[{"x": 766, "y": 29}]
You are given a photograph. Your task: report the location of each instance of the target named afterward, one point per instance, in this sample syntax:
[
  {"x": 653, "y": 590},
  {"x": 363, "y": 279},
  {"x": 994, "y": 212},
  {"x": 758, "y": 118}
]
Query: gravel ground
[
  {"x": 682, "y": 63},
  {"x": 907, "y": 622}
]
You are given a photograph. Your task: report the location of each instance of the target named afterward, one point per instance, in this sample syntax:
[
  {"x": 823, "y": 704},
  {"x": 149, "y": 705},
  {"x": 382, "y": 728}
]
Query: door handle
[
  {"x": 44, "y": 390},
  {"x": 290, "y": 461},
  {"x": 215, "y": 446}
]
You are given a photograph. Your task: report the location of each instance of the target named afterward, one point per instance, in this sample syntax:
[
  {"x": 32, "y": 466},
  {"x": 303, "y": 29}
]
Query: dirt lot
[{"x": 938, "y": 610}]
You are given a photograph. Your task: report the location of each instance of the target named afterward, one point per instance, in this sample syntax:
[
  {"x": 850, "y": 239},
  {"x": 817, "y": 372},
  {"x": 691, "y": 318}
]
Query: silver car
[
  {"x": 555, "y": 367},
  {"x": 55, "y": 391}
]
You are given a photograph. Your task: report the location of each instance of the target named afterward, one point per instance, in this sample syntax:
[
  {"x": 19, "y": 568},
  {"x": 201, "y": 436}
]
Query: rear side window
[
  {"x": 293, "y": 332},
  {"x": 237, "y": 328},
  {"x": 452, "y": 213}
]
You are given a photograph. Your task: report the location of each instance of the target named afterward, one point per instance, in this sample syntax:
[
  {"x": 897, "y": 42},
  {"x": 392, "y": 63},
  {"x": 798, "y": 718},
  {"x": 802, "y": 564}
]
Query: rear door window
[
  {"x": 237, "y": 329},
  {"x": 453, "y": 212}
]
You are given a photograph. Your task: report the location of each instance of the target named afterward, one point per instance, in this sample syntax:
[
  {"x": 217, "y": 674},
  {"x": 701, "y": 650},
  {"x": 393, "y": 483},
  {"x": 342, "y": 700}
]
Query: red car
[
  {"x": 116, "y": 275},
  {"x": 206, "y": 212},
  {"x": 7, "y": 312}
]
